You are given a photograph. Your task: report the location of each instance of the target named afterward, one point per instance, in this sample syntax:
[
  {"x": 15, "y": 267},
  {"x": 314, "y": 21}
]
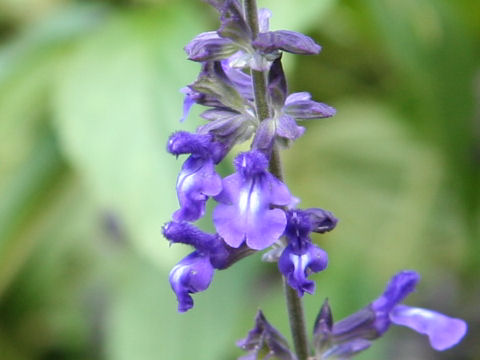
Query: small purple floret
[
  {"x": 244, "y": 211},
  {"x": 197, "y": 179},
  {"x": 375, "y": 319},
  {"x": 191, "y": 275},
  {"x": 301, "y": 257}
]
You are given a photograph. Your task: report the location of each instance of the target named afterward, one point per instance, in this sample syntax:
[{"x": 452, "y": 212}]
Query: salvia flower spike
[{"x": 244, "y": 90}]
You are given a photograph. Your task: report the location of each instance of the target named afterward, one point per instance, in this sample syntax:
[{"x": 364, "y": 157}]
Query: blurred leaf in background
[{"x": 89, "y": 93}]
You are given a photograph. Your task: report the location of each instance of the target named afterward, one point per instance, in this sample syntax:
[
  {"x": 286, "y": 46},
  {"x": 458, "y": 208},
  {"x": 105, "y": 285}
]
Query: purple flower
[
  {"x": 375, "y": 319},
  {"x": 244, "y": 212},
  {"x": 300, "y": 257},
  {"x": 191, "y": 275},
  {"x": 197, "y": 180}
]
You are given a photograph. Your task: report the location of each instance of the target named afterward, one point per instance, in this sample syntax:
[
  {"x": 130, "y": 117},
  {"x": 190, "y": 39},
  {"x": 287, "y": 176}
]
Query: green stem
[{"x": 294, "y": 303}]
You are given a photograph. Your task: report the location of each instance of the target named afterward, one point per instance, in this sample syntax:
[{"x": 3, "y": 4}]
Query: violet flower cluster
[{"x": 255, "y": 210}]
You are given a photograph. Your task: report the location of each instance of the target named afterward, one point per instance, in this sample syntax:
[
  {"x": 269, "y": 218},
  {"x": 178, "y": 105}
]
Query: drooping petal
[
  {"x": 443, "y": 331},
  {"x": 297, "y": 267},
  {"x": 289, "y": 41},
  {"x": 196, "y": 182},
  {"x": 191, "y": 275}
]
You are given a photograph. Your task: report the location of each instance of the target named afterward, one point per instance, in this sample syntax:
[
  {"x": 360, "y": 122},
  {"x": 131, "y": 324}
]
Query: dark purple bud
[
  {"x": 290, "y": 41},
  {"x": 277, "y": 83},
  {"x": 264, "y": 136},
  {"x": 322, "y": 220},
  {"x": 265, "y": 339},
  {"x": 300, "y": 106},
  {"x": 323, "y": 327},
  {"x": 245, "y": 212},
  {"x": 208, "y": 46},
  {"x": 191, "y": 275}
]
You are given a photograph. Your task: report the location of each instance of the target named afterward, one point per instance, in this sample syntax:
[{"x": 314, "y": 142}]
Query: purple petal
[
  {"x": 280, "y": 195},
  {"x": 264, "y": 16},
  {"x": 183, "y": 142},
  {"x": 288, "y": 128},
  {"x": 296, "y": 268},
  {"x": 399, "y": 287},
  {"x": 197, "y": 180},
  {"x": 208, "y": 46},
  {"x": 308, "y": 109},
  {"x": 265, "y": 229},
  {"x": 264, "y": 136},
  {"x": 347, "y": 350},
  {"x": 244, "y": 212},
  {"x": 191, "y": 275},
  {"x": 289, "y": 41},
  {"x": 188, "y": 101},
  {"x": 300, "y": 96},
  {"x": 442, "y": 331}
]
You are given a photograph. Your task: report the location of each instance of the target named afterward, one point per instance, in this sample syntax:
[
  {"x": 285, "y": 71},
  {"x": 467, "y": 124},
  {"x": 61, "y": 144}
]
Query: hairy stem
[{"x": 294, "y": 303}]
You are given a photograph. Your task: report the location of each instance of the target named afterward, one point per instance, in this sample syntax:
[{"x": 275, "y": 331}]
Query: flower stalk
[{"x": 296, "y": 314}]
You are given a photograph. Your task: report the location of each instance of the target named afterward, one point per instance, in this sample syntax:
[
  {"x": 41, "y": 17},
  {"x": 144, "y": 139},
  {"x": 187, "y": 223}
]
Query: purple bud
[
  {"x": 323, "y": 327},
  {"x": 265, "y": 338},
  {"x": 322, "y": 220},
  {"x": 191, "y": 275},
  {"x": 290, "y": 41},
  {"x": 208, "y": 46},
  {"x": 300, "y": 106}
]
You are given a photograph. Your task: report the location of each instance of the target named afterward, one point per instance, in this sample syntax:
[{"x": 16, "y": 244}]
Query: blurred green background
[{"x": 89, "y": 93}]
